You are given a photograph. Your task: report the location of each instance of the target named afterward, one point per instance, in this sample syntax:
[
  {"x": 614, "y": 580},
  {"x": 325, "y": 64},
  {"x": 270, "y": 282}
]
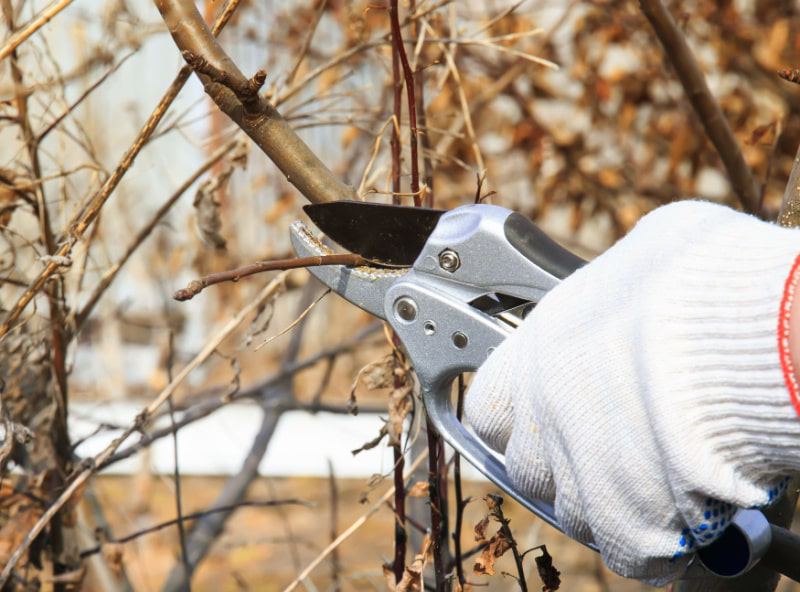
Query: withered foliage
[
  {"x": 501, "y": 541},
  {"x": 547, "y": 572},
  {"x": 496, "y": 545},
  {"x": 412, "y": 575},
  {"x": 96, "y": 186}
]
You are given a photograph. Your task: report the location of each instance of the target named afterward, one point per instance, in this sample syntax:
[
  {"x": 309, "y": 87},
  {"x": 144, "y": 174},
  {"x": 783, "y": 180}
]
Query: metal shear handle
[
  {"x": 475, "y": 254},
  {"x": 486, "y": 252}
]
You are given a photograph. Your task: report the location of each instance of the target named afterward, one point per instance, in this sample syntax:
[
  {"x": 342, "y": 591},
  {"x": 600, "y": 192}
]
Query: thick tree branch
[
  {"x": 257, "y": 117},
  {"x": 705, "y": 105}
]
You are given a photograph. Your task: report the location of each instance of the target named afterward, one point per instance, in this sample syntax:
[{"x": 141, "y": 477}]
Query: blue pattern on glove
[{"x": 716, "y": 517}]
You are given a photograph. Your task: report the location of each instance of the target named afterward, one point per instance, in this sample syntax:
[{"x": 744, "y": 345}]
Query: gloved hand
[{"x": 646, "y": 395}]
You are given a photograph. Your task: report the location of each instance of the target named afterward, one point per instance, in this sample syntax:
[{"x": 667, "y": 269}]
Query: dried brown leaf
[
  {"x": 20, "y": 514},
  {"x": 759, "y": 132},
  {"x": 494, "y": 502},
  {"x": 207, "y": 210},
  {"x": 372, "y": 443},
  {"x": 375, "y": 375},
  {"x": 498, "y": 544},
  {"x": 378, "y": 374},
  {"x": 547, "y": 571},
  {"x": 400, "y": 406},
  {"x": 480, "y": 529},
  {"x": 419, "y": 489},
  {"x": 412, "y": 575}
]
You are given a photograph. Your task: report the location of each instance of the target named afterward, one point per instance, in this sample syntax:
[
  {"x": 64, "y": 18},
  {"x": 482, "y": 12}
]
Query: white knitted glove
[{"x": 646, "y": 394}]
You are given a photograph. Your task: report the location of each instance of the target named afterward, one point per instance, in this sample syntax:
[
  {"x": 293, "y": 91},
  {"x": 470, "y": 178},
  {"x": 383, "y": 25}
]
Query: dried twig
[
  {"x": 353, "y": 527},
  {"x": 295, "y": 322},
  {"x": 336, "y": 564},
  {"x": 84, "y": 473},
  {"x": 399, "y": 50},
  {"x": 194, "y": 516},
  {"x": 234, "y": 275},
  {"x": 41, "y": 19},
  {"x": 438, "y": 521},
  {"x": 464, "y": 103},
  {"x": 307, "y": 43},
  {"x": 705, "y": 105},
  {"x": 146, "y": 231},
  {"x": 461, "y": 503},
  {"x": 83, "y": 219}
]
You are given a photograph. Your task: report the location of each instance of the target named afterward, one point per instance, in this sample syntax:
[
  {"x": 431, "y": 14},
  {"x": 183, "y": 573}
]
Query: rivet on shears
[
  {"x": 405, "y": 309},
  {"x": 449, "y": 260},
  {"x": 460, "y": 340}
]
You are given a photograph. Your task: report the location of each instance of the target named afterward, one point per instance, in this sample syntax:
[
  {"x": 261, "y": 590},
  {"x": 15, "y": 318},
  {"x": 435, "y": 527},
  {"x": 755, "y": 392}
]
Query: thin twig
[
  {"x": 307, "y": 43},
  {"x": 89, "y": 468},
  {"x": 41, "y": 19},
  {"x": 399, "y": 50},
  {"x": 375, "y": 150},
  {"x": 176, "y": 474},
  {"x": 419, "y": 100},
  {"x": 400, "y": 534},
  {"x": 83, "y": 96},
  {"x": 234, "y": 275},
  {"x": 146, "y": 231},
  {"x": 352, "y": 528},
  {"x": 397, "y": 113},
  {"x": 705, "y": 105},
  {"x": 464, "y": 103},
  {"x": 295, "y": 322},
  {"x": 461, "y": 503},
  {"x": 83, "y": 219},
  {"x": 438, "y": 528},
  {"x": 194, "y": 516},
  {"x": 336, "y": 565}
]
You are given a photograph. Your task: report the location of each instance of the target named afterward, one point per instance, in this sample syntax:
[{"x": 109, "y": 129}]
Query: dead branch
[
  {"x": 705, "y": 105},
  {"x": 41, "y": 19},
  {"x": 108, "y": 277},
  {"x": 194, "y": 516},
  {"x": 84, "y": 218},
  {"x": 257, "y": 117},
  {"x": 210, "y": 527},
  {"x": 353, "y": 527},
  {"x": 234, "y": 275},
  {"x": 82, "y": 475}
]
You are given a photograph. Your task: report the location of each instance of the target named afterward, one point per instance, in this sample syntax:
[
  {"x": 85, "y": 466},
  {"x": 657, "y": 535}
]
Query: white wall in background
[{"x": 302, "y": 444}]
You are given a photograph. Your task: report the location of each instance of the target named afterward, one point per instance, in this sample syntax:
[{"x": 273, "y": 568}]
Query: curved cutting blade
[{"x": 392, "y": 235}]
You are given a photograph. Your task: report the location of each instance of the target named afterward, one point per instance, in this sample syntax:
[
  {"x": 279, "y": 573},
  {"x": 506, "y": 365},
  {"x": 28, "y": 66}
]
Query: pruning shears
[{"x": 453, "y": 285}]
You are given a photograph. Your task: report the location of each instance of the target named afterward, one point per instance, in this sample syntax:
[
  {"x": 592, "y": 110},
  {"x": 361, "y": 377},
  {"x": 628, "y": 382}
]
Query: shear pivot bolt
[
  {"x": 405, "y": 309},
  {"x": 460, "y": 340},
  {"x": 449, "y": 260}
]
